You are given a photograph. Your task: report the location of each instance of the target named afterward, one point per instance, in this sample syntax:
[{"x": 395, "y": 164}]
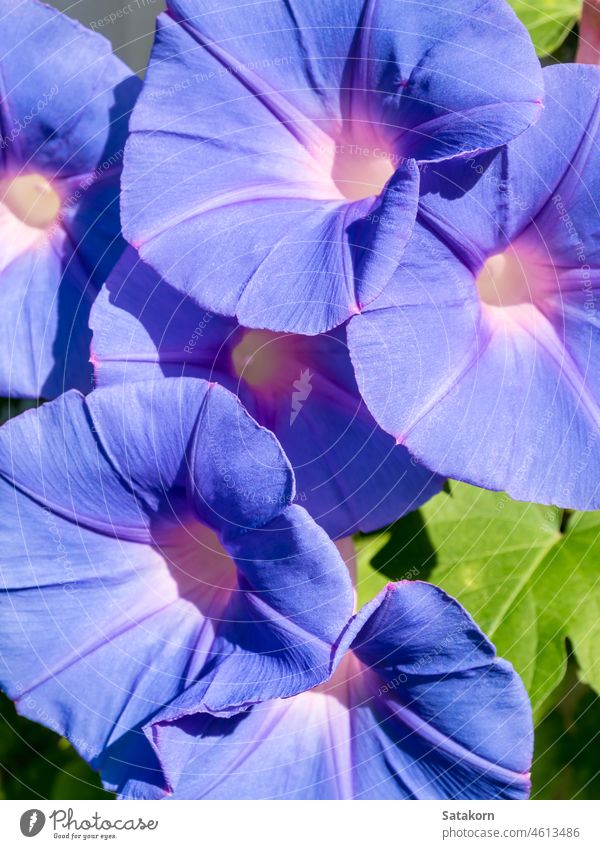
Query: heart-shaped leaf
[
  {"x": 548, "y": 21},
  {"x": 529, "y": 585}
]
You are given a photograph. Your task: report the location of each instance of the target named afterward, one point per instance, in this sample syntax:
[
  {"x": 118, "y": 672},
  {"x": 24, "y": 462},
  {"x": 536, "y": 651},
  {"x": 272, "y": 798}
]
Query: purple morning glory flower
[
  {"x": 65, "y": 102},
  {"x": 272, "y": 169},
  {"x": 419, "y": 707},
  {"x": 150, "y": 539},
  {"x": 481, "y": 356},
  {"x": 350, "y": 474}
]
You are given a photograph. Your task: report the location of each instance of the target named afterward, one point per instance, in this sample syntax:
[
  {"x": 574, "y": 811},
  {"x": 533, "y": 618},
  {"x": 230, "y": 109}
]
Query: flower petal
[
  {"x": 115, "y": 597},
  {"x": 394, "y": 65},
  {"x": 44, "y": 338},
  {"x": 144, "y": 329},
  {"x": 412, "y": 346},
  {"x": 240, "y": 477},
  {"x": 278, "y": 633},
  {"x": 482, "y": 203},
  {"x": 466, "y": 710},
  {"x": 419, "y": 708},
  {"x": 95, "y": 632},
  {"x": 63, "y": 117},
  {"x": 65, "y": 122},
  {"x": 260, "y": 130},
  {"x": 350, "y": 475},
  {"x": 504, "y": 396}
]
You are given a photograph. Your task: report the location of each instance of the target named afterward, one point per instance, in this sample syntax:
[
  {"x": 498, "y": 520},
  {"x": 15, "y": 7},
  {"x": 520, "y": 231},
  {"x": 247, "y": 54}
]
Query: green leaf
[
  {"x": 77, "y": 781},
  {"x": 528, "y": 585},
  {"x": 13, "y": 407},
  {"x": 403, "y": 552},
  {"x": 548, "y": 21},
  {"x": 35, "y": 763},
  {"x": 565, "y": 763}
]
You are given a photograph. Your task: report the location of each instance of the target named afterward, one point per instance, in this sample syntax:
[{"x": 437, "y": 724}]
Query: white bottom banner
[{"x": 271, "y": 825}]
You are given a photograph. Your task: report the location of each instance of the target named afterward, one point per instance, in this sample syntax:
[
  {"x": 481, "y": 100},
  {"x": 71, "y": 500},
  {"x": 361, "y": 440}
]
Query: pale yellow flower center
[{"x": 32, "y": 199}]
